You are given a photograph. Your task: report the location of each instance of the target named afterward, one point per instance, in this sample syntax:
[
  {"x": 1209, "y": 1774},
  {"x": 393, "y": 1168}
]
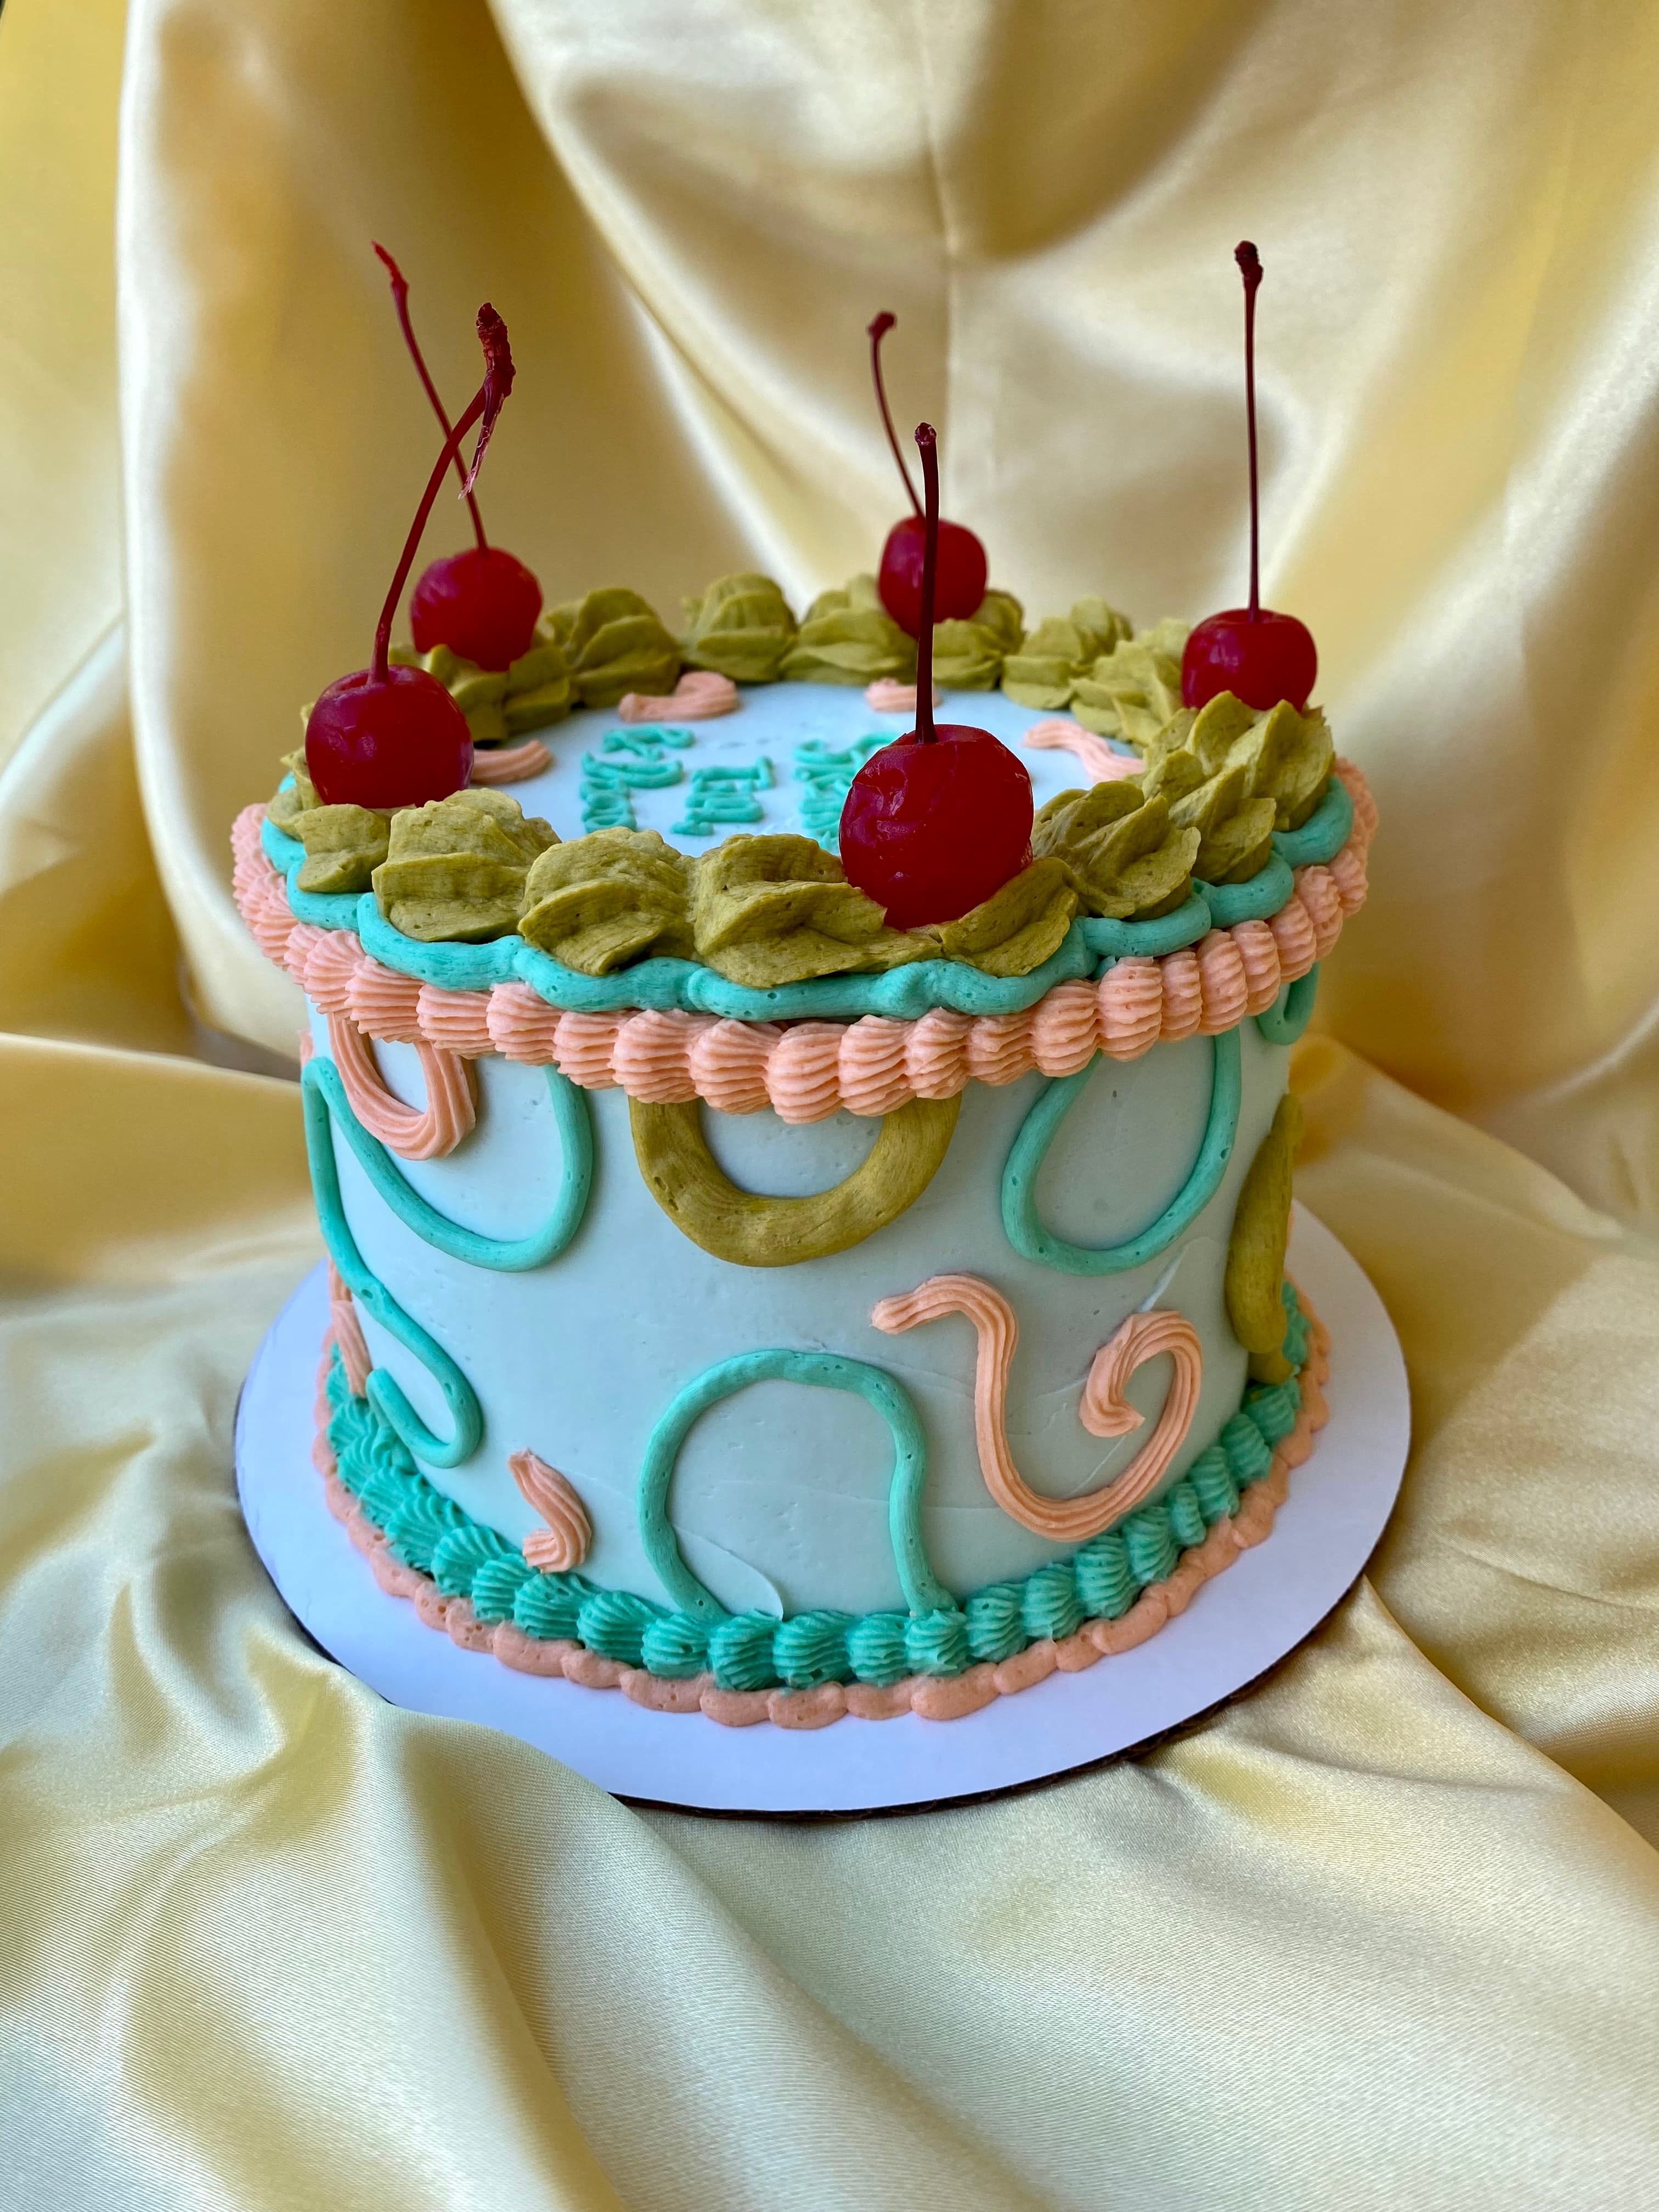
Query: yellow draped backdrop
[{"x": 1383, "y": 1935}]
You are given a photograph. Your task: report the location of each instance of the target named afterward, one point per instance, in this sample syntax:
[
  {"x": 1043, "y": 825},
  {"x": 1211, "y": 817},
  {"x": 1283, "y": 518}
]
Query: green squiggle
[
  {"x": 386, "y": 1393},
  {"x": 829, "y": 1370},
  {"x": 1290, "y": 1013},
  {"x": 507, "y": 1255},
  {"x": 1025, "y": 1231}
]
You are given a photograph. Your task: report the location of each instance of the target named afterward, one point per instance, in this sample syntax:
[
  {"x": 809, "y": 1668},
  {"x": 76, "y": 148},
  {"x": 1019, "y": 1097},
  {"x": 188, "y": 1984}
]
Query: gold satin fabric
[{"x": 1383, "y": 1934}]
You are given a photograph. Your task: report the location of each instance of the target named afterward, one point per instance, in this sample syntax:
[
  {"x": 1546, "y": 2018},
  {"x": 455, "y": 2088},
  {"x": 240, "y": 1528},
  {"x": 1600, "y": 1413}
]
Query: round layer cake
[{"x": 844, "y": 1342}]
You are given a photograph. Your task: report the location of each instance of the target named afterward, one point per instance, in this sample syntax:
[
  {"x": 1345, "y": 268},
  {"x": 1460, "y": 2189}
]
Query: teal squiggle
[
  {"x": 505, "y": 1254},
  {"x": 1290, "y": 1013},
  {"x": 386, "y": 1393},
  {"x": 1020, "y": 1220},
  {"x": 829, "y": 1370},
  {"x": 901, "y": 994},
  {"x": 752, "y": 1650}
]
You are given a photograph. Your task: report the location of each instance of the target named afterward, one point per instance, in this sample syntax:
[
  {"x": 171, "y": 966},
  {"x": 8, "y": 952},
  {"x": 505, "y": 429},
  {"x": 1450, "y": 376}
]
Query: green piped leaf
[
  {"x": 456, "y": 868},
  {"x": 741, "y": 628},
  {"x": 779, "y": 910},
  {"x": 614, "y": 643},
  {"x": 1018, "y": 926},
  {"x": 1132, "y": 691},
  {"x": 599, "y": 901},
  {"x": 849, "y": 637},
  {"x": 1043, "y": 671}
]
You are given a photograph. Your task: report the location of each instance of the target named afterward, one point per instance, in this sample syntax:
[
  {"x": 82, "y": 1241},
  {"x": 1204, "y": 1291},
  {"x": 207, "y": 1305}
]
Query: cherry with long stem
[
  {"x": 1260, "y": 656},
  {"x": 1249, "y": 268},
  {"x": 959, "y": 564},
  {"x": 483, "y": 603},
  {"x": 400, "y": 298},
  {"x": 928, "y": 444},
  {"x": 940, "y": 819},
  {"x": 482, "y": 408},
  {"x": 384, "y": 737},
  {"x": 878, "y": 330}
]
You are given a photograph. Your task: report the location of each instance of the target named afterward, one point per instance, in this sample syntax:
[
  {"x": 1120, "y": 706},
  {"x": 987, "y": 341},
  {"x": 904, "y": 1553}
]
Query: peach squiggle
[
  {"x": 886, "y": 696},
  {"x": 1094, "y": 757},
  {"x": 563, "y": 1543},
  {"x": 423, "y": 1132},
  {"x": 497, "y": 765},
  {"x": 698, "y": 696},
  {"x": 1105, "y": 1411}
]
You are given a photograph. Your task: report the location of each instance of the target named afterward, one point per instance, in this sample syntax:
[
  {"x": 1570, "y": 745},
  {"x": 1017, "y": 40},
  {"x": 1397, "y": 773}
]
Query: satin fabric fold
[{"x": 1383, "y": 1933}]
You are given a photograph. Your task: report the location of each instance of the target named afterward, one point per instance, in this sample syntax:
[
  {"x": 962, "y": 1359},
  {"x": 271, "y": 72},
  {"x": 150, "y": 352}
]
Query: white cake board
[{"x": 1237, "y": 1626}]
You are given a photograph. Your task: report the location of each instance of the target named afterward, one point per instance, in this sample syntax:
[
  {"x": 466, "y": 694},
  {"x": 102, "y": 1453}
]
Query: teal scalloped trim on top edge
[
  {"x": 686, "y": 987},
  {"x": 429, "y": 1532}
]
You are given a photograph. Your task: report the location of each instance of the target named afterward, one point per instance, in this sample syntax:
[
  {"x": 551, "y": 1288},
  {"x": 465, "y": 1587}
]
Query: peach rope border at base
[
  {"x": 807, "y": 1071},
  {"x": 932, "y": 1697}
]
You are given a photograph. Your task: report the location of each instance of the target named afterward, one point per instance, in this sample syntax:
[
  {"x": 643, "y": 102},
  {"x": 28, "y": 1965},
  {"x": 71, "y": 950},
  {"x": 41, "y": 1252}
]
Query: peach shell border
[
  {"x": 806, "y": 1071},
  {"x": 932, "y": 1697}
]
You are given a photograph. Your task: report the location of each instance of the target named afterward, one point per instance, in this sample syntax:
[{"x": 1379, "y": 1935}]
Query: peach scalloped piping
[
  {"x": 807, "y": 1071},
  {"x": 930, "y": 1697}
]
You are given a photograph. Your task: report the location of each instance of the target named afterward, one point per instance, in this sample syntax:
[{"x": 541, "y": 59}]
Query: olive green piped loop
[
  {"x": 779, "y": 910},
  {"x": 1043, "y": 671},
  {"x": 1130, "y": 860},
  {"x": 456, "y": 869},
  {"x": 849, "y": 637},
  {"x": 499, "y": 704},
  {"x": 599, "y": 902},
  {"x": 741, "y": 628},
  {"x": 1132, "y": 691},
  {"x": 1018, "y": 926},
  {"x": 753, "y": 1230},
  {"x": 1236, "y": 829},
  {"x": 968, "y": 654},
  {"x": 1256, "y": 1250},
  {"x": 614, "y": 643},
  {"x": 344, "y": 845}
]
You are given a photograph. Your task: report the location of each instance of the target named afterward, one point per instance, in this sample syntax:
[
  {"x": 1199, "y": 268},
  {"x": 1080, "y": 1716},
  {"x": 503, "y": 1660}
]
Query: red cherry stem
[
  {"x": 483, "y": 407},
  {"x": 1249, "y": 268},
  {"x": 400, "y": 296},
  {"x": 878, "y": 330},
  {"x": 927, "y": 439}
]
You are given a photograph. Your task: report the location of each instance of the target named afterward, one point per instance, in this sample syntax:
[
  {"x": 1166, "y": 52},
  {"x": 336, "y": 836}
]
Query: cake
[{"x": 744, "y": 1303}]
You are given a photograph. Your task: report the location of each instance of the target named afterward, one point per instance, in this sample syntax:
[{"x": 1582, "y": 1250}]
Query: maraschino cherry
[
  {"x": 388, "y": 737},
  {"x": 482, "y": 603},
  {"x": 1260, "y": 656},
  {"x": 959, "y": 585},
  {"x": 940, "y": 818}
]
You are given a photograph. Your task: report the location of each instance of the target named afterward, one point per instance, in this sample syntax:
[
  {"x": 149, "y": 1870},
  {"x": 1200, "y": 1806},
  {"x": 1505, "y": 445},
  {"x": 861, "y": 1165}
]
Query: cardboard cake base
[{"x": 1237, "y": 1627}]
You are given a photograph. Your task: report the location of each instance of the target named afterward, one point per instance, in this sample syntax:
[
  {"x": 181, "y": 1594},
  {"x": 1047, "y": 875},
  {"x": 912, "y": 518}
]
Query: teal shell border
[
  {"x": 901, "y": 994},
  {"x": 427, "y": 1532}
]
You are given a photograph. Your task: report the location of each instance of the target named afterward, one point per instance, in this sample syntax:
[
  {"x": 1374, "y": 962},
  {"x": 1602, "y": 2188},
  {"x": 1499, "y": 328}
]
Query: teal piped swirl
[
  {"x": 505, "y": 1254},
  {"x": 1290, "y": 1013},
  {"x": 756, "y": 1651},
  {"x": 386, "y": 1393},
  {"x": 1025, "y": 1229},
  {"x": 827, "y": 1371}
]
